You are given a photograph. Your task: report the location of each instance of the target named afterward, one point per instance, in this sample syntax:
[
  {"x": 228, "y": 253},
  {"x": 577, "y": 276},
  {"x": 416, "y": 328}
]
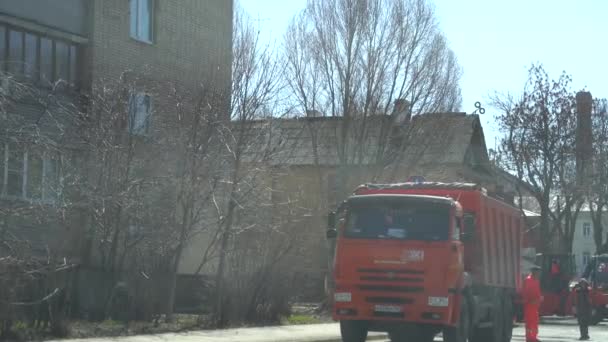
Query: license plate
[{"x": 387, "y": 308}]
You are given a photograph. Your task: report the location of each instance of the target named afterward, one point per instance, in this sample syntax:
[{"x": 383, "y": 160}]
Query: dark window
[
  {"x": 15, "y": 172},
  {"x": 46, "y": 60},
  {"x": 73, "y": 66},
  {"x": 38, "y": 58},
  {"x": 62, "y": 61},
  {"x": 2, "y": 47},
  {"x": 51, "y": 185},
  {"x": 30, "y": 174},
  {"x": 15, "y": 57},
  {"x": 586, "y": 229},
  {"x": 397, "y": 218},
  {"x": 34, "y": 175},
  {"x": 31, "y": 55}
]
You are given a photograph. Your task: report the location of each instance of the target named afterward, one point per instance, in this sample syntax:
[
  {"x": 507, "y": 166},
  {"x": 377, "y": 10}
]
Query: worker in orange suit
[{"x": 532, "y": 298}]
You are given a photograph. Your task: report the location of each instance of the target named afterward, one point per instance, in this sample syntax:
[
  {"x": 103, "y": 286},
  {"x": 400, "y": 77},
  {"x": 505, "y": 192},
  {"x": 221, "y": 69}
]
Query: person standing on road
[
  {"x": 532, "y": 298},
  {"x": 583, "y": 308}
]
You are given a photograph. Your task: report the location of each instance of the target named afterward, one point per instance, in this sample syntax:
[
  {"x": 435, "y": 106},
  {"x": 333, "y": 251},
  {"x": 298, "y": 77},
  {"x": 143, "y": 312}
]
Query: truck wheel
[
  {"x": 596, "y": 316},
  {"x": 353, "y": 331},
  {"x": 461, "y": 332},
  {"x": 497, "y": 332},
  {"x": 519, "y": 313},
  {"x": 508, "y": 313}
]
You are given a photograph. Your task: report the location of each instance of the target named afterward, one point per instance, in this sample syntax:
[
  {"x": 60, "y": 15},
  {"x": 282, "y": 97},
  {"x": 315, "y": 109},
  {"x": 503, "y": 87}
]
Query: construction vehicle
[
  {"x": 419, "y": 259},
  {"x": 555, "y": 284},
  {"x": 596, "y": 272}
]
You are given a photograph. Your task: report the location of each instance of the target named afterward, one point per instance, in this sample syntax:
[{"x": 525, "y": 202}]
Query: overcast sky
[{"x": 496, "y": 41}]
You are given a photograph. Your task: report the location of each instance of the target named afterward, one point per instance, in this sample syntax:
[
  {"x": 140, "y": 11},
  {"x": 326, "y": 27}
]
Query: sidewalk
[{"x": 291, "y": 333}]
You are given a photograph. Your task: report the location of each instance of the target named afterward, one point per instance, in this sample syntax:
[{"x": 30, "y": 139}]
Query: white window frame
[
  {"x": 586, "y": 258},
  {"x": 136, "y": 124},
  {"x": 137, "y": 31},
  {"x": 44, "y": 196},
  {"x": 586, "y": 229}
]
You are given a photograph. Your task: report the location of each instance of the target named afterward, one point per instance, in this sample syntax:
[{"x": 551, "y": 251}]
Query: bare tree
[
  {"x": 354, "y": 58},
  {"x": 35, "y": 136},
  {"x": 250, "y": 144},
  {"x": 538, "y": 147}
]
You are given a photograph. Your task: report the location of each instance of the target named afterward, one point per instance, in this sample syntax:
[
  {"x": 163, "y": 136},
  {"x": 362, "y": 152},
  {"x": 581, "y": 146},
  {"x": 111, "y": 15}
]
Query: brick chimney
[
  {"x": 584, "y": 152},
  {"x": 402, "y": 111}
]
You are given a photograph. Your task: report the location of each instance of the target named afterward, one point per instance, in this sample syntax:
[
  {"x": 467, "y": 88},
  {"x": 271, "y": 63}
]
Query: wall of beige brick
[{"x": 192, "y": 41}]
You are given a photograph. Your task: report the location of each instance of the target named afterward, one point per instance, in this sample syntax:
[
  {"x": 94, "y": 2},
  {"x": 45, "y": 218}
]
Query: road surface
[
  {"x": 550, "y": 331},
  {"x": 557, "y": 330}
]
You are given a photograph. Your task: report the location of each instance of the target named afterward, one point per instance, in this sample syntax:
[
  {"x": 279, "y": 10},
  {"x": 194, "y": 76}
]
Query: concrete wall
[{"x": 65, "y": 15}]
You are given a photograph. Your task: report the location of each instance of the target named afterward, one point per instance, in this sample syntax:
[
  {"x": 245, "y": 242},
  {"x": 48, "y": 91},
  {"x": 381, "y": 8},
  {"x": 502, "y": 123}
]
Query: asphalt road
[
  {"x": 556, "y": 330},
  {"x": 560, "y": 330}
]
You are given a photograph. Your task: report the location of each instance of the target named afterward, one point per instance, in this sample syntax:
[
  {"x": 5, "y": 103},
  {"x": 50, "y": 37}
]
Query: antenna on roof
[{"x": 479, "y": 109}]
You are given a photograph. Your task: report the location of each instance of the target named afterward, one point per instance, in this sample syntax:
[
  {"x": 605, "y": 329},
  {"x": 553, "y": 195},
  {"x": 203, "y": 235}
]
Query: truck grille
[
  {"x": 387, "y": 271},
  {"x": 391, "y": 275},
  {"x": 389, "y": 278},
  {"x": 389, "y": 300},
  {"x": 388, "y": 288}
]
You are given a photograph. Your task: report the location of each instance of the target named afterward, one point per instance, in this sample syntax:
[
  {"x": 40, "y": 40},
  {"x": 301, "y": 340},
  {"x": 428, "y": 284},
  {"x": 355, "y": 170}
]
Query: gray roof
[
  {"x": 442, "y": 138},
  {"x": 428, "y": 139}
]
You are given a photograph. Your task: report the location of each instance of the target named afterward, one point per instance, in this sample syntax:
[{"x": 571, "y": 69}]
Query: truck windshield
[{"x": 398, "y": 219}]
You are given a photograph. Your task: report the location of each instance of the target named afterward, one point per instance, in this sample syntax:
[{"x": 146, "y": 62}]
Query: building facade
[
  {"x": 583, "y": 244},
  {"x": 57, "y": 59}
]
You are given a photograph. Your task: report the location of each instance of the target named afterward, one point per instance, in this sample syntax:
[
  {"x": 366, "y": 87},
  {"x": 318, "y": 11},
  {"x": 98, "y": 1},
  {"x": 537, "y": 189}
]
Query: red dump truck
[{"x": 419, "y": 259}]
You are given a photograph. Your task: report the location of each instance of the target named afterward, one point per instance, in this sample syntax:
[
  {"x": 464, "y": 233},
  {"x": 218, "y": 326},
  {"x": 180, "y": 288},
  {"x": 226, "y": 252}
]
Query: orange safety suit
[{"x": 532, "y": 297}]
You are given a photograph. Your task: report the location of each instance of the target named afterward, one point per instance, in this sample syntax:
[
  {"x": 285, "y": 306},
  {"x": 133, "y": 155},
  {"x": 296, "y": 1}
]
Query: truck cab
[
  {"x": 396, "y": 250},
  {"x": 400, "y": 266},
  {"x": 596, "y": 272}
]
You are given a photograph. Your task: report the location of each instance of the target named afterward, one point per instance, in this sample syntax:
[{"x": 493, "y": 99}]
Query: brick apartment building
[{"x": 66, "y": 47}]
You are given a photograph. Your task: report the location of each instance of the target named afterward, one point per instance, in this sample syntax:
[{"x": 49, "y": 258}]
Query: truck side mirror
[
  {"x": 469, "y": 227},
  {"x": 331, "y": 220},
  {"x": 331, "y": 233}
]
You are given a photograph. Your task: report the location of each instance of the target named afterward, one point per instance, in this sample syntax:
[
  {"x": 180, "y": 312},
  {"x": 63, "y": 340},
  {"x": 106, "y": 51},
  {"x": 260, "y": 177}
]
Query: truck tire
[
  {"x": 508, "y": 313},
  {"x": 498, "y": 332},
  {"x": 353, "y": 331},
  {"x": 597, "y": 316},
  {"x": 462, "y": 331}
]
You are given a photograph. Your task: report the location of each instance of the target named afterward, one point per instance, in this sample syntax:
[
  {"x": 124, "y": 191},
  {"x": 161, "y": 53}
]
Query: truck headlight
[
  {"x": 439, "y": 301},
  {"x": 342, "y": 296}
]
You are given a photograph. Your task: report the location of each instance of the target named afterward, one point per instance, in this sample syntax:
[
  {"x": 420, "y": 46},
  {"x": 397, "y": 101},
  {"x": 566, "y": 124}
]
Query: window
[
  {"x": 332, "y": 190},
  {"x": 586, "y": 229},
  {"x": 586, "y": 258},
  {"x": 31, "y": 55},
  {"x": 2, "y": 47},
  {"x": 15, "y": 170},
  {"x": 29, "y": 174},
  {"x": 15, "y": 52},
  {"x": 46, "y": 60},
  {"x": 141, "y": 20},
  {"x": 62, "y": 61},
  {"x": 37, "y": 57},
  {"x": 140, "y": 109}
]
